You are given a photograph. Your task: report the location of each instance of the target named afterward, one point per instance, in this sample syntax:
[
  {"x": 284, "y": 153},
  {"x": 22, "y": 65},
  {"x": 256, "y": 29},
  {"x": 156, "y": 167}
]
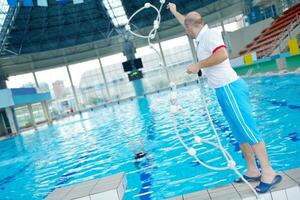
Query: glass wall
[
  {"x": 22, "y": 113},
  {"x": 117, "y": 80},
  {"x": 155, "y": 77},
  {"x": 57, "y": 82},
  {"x": 38, "y": 113},
  {"x": 21, "y": 81},
  {"x": 88, "y": 82},
  {"x": 23, "y": 117},
  {"x": 178, "y": 57}
]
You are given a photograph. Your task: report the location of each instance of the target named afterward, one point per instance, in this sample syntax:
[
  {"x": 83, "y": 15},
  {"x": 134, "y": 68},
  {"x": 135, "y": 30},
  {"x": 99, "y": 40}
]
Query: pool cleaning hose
[{"x": 176, "y": 108}]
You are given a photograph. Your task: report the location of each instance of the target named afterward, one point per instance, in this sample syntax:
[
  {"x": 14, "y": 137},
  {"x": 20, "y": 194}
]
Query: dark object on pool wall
[{"x": 200, "y": 73}]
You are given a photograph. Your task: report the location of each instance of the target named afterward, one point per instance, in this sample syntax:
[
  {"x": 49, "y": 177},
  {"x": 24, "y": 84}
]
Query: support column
[
  {"x": 15, "y": 119},
  {"x": 35, "y": 80},
  {"x": 3, "y": 79},
  {"x": 224, "y": 32},
  {"x": 3, "y": 130},
  {"x": 46, "y": 112},
  {"x": 225, "y": 35},
  {"x": 129, "y": 51},
  {"x": 29, "y": 106},
  {"x": 73, "y": 89},
  {"x": 11, "y": 119},
  {"x": 104, "y": 80},
  {"x": 164, "y": 61},
  {"x": 193, "y": 49},
  {"x": 44, "y": 104}
]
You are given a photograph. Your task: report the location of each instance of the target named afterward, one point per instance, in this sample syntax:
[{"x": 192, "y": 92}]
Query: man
[{"x": 233, "y": 97}]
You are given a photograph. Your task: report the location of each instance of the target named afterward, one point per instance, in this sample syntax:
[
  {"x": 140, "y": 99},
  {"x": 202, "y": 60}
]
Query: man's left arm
[{"x": 218, "y": 56}]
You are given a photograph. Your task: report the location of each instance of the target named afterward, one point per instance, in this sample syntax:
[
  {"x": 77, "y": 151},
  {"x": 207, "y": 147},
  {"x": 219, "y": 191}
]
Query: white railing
[{"x": 281, "y": 38}]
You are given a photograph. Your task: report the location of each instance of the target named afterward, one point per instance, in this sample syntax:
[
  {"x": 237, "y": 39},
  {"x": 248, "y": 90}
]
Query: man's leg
[
  {"x": 238, "y": 110},
  {"x": 267, "y": 171},
  {"x": 252, "y": 169}
]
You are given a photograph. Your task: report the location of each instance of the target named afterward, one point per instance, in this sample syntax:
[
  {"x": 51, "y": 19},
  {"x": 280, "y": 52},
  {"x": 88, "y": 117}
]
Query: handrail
[
  {"x": 286, "y": 33},
  {"x": 268, "y": 31}
]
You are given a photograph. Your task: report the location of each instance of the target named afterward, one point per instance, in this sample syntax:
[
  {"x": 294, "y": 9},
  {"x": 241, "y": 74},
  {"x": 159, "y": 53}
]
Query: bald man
[{"x": 233, "y": 97}]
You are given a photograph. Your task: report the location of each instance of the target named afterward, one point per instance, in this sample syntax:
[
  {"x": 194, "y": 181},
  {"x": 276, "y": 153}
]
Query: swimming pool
[{"x": 96, "y": 144}]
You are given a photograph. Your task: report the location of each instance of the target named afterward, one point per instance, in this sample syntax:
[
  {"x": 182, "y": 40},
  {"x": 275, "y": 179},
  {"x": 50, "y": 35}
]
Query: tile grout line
[
  {"x": 93, "y": 188},
  {"x": 272, "y": 195},
  {"x": 292, "y": 178},
  {"x": 237, "y": 191},
  {"x": 68, "y": 192},
  {"x": 209, "y": 195},
  {"x": 287, "y": 197}
]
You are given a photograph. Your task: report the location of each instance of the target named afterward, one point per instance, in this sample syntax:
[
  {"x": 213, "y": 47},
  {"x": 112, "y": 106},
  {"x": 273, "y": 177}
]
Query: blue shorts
[{"x": 235, "y": 103}]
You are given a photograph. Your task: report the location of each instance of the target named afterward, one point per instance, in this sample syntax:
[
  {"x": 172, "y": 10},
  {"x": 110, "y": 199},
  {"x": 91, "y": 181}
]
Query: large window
[
  {"x": 57, "y": 82},
  {"x": 23, "y": 117},
  {"x": 178, "y": 57},
  {"x": 155, "y": 77},
  {"x": 38, "y": 113},
  {"x": 88, "y": 82},
  {"x": 21, "y": 81},
  {"x": 117, "y": 79},
  {"x": 22, "y": 113}
]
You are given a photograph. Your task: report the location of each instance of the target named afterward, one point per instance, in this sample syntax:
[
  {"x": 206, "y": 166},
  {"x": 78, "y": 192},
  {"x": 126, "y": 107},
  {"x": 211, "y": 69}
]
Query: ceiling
[{"x": 53, "y": 36}]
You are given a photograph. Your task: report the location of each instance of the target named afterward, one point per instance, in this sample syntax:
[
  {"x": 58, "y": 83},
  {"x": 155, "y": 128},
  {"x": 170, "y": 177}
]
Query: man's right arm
[{"x": 179, "y": 16}]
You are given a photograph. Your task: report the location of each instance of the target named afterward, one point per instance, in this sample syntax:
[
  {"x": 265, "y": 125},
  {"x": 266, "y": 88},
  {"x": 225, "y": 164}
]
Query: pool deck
[
  {"x": 106, "y": 188},
  {"x": 288, "y": 189}
]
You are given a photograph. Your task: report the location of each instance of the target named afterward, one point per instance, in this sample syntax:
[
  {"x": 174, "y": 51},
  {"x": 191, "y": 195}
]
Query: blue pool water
[{"x": 96, "y": 144}]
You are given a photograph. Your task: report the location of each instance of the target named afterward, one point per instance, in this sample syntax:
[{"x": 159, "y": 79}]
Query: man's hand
[
  {"x": 172, "y": 7},
  {"x": 193, "y": 69}
]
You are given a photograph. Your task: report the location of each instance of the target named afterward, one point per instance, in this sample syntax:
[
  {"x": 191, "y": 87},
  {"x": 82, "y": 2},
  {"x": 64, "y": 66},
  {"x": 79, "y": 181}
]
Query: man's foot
[
  {"x": 248, "y": 178},
  {"x": 265, "y": 187},
  {"x": 267, "y": 176}
]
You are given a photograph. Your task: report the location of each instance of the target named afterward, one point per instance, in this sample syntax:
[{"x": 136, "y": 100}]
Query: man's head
[{"x": 193, "y": 24}]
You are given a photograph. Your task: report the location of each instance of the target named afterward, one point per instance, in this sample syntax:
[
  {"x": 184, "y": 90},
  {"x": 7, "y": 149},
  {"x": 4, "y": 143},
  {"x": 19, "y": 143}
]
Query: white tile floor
[
  {"x": 288, "y": 189},
  {"x": 107, "y": 188},
  {"x": 113, "y": 188}
]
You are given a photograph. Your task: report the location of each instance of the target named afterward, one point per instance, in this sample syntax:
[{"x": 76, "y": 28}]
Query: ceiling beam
[{"x": 14, "y": 65}]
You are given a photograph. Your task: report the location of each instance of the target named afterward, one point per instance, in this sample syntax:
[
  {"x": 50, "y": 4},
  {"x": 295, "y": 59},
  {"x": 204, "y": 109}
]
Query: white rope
[{"x": 176, "y": 108}]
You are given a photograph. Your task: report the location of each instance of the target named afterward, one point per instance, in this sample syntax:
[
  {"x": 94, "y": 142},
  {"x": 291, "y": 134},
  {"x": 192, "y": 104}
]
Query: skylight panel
[{"x": 116, "y": 12}]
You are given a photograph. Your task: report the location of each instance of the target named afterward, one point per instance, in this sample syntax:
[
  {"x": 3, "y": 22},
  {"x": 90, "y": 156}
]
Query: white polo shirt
[{"x": 207, "y": 42}]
